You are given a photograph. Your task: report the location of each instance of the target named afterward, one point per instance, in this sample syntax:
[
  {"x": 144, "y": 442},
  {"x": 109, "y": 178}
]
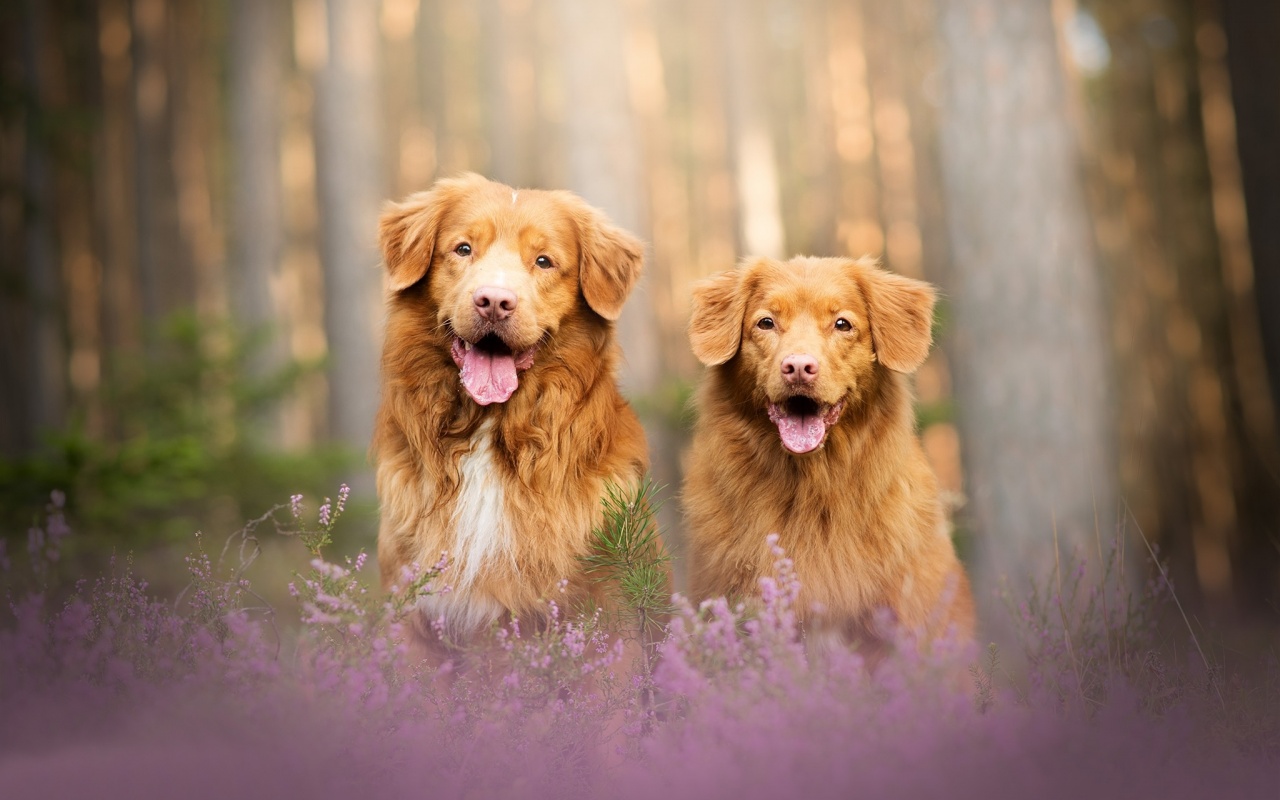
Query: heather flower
[
  {"x": 736, "y": 706},
  {"x": 295, "y": 505},
  {"x": 344, "y": 491},
  {"x": 324, "y": 514}
]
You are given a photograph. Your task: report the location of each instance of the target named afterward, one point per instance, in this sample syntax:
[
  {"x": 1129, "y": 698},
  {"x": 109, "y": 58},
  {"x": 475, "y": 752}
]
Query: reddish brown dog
[
  {"x": 806, "y": 428},
  {"x": 501, "y": 420}
]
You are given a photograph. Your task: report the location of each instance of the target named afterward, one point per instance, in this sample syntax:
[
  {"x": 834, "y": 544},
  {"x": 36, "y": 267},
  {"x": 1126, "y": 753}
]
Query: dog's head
[
  {"x": 805, "y": 338},
  {"x": 504, "y": 270}
]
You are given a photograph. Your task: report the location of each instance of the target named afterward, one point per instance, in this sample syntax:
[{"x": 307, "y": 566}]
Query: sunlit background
[{"x": 192, "y": 297}]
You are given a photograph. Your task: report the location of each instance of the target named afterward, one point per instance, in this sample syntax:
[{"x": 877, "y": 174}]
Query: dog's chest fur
[{"x": 483, "y": 534}]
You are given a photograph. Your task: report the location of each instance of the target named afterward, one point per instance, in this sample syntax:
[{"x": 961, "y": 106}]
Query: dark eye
[
  {"x": 544, "y": 262},
  {"x": 765, "y": 324},
  {"x": 843, "y": 324},
  {"x": 463, "y": 249}
]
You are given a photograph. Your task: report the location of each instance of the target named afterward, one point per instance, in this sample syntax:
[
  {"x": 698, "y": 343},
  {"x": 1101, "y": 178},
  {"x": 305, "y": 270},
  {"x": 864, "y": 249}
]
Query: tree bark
[
  {"x": 1240, "y": 140},
  {"x": 510, "y": 90},
  {"x": 604, "y": 153},
  {"x": 45, "y": 373},
  {"x": 755, "y": 158},
  {"x": 1253, "y": 29},
  {"x": 1028, "y": 352},
  {"x": 166, "y": 273},
  {"x": 257, "y": 45},
  {"x": 257, "y": 77},
  {"x": 349, "y": 178}
]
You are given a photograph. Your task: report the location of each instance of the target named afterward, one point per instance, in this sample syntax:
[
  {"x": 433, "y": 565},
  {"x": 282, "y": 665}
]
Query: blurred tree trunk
[
  {"x": 1253, "y": 57},
  {"x": 815, "y": 155},
  {"x": 1195, "y": 428},
  {"x": 166, "y": 272},
  {"x": 44, "y": 356},
  {"x": 198, "y": 153},
  {"x": 509, "y": 89},
  {"x": 1256, "y": 464},
  {"x": 113, "y": 185},
  {"x": 1028, "y": 353},
  {"x": 1150, "y": 179},
  {"x": 408, "y": 142},
  {"x": 604, "y": 152},
  {"x": 858, "y": 228},
  {"x": 257, "y": 47},
  {"x": 349, "y": 180},
  {"x": 669, "y": 268},
  {"x": 77, "y": 82},
  {"x": 714, "y": 205},
  {"x": 889, "y": 50},
  {"x": 755, "y": 159}
]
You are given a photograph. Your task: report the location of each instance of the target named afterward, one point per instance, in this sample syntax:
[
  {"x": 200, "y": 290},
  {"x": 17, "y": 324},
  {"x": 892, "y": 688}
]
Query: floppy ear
[
  {"x": 407, "y": 233},
  {"x": 610, "y": 263},
  {"x": 715, "y": 328},
  {"x": 407, "y": 230},
  {"x": 901, "y": 318}
]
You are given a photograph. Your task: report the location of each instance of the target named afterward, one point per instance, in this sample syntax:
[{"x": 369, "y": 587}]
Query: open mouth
[
  {"x": 490, "y": 370},
  {"x": 803, "y": 422}
]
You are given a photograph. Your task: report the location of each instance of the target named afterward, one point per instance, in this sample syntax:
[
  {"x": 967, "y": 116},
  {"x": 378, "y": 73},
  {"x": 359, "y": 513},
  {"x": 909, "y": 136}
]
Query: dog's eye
[
  {"x": 765, "y": 324},
  {"x": 544, "y": 262},
  {"x": 463, "y": 249},
  {"x": 843, "y": 324}
]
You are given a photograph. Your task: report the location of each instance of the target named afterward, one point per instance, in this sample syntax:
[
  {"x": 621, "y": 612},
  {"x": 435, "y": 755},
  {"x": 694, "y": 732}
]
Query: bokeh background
[{"x": 192, "y": 297}]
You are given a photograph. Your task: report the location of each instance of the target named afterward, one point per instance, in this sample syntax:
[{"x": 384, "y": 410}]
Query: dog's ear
[
  {"x": 407, "y": 230},
  {"x": 901, "y": 317},
  {"x": 715, "y": 328},
  {"x": 609, "y": 265}
]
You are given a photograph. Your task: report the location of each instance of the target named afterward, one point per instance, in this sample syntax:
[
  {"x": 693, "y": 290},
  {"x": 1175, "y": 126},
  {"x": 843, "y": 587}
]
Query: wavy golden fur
[
  {"x": 511, "y": 490},
  {"x": 860, "y": 514}
]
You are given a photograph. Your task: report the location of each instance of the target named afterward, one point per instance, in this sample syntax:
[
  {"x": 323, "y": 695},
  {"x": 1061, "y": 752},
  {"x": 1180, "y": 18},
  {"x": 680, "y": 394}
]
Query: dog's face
[
  {"x": 805, "y": 338},
  {"x": 504, "y": 270}
]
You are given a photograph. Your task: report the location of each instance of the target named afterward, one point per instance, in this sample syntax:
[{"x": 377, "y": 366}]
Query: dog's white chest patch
[{"x": 482, "y": 533}]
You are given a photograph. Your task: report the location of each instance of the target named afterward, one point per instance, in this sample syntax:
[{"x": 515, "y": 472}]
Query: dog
[
  {"x": 501, "y": 423},
  {"x": 806, "y": 429}
]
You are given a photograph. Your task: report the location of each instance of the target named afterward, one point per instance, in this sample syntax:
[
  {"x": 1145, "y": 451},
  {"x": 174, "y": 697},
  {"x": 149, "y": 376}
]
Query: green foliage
[
  {"x": 932, "y": 413},
  {"x": 670, "y": 403},
  {"x": 984, "y": 679},
  {"x": 629, "y": 558},
  {"x": 181, "y": 448}
]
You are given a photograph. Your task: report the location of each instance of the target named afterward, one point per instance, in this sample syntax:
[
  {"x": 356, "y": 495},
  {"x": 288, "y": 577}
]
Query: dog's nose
[
  {"x": 800, "y": 369},
  {"x": 494, "y": 303}
]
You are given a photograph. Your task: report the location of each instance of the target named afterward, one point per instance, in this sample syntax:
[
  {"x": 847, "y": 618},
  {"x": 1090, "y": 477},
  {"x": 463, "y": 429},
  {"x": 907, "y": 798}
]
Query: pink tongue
[
  {"x": 488, "y": 377},
  {"x": 800, "y": 433}
]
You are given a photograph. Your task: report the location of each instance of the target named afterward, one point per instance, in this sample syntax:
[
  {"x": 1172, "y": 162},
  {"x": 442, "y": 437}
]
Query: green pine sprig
[{"x": 628, "y": 556}]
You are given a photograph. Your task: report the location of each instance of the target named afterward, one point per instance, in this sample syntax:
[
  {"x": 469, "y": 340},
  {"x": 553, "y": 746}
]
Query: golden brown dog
[
  {"x": 501, "y": 420},
  {"x": 805, "y": 428}
]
